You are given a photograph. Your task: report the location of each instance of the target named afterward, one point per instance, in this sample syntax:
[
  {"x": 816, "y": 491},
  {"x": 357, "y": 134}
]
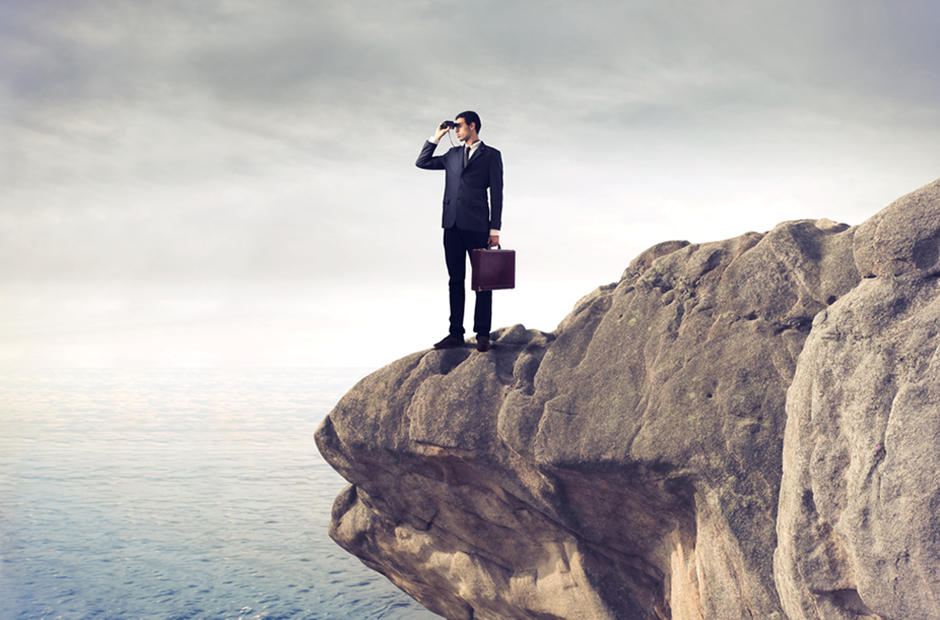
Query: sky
[{"x": 232, "y": 183}]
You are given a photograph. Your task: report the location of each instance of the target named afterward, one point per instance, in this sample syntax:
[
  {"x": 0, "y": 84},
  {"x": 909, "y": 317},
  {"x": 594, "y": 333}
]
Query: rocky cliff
[{"x": 740, "y": 429}]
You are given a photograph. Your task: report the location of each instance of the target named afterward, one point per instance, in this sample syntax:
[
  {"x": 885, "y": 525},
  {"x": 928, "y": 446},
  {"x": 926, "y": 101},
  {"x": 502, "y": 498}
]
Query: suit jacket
[{"x": 465, "y": 200}]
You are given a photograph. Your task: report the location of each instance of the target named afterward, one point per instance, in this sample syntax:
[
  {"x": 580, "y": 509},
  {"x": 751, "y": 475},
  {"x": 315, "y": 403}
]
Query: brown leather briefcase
[{"x": 493, "y": 269}]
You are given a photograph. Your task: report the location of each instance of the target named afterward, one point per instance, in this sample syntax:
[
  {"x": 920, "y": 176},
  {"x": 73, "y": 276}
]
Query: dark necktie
[{"x": 466, "y": 156}]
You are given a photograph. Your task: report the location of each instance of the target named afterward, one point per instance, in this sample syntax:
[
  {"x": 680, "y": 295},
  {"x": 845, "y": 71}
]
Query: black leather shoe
[
  {"x": 483, "y": 343},
  {"x": 450, "y": 342}
]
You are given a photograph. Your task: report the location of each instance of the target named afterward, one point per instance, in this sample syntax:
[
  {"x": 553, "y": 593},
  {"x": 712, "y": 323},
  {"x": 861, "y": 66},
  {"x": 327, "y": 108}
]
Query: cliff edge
[{"x": 746, "y": 428}]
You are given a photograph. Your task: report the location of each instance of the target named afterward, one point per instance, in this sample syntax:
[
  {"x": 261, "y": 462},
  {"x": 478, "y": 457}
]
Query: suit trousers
[{"x": 458, "y": 245}]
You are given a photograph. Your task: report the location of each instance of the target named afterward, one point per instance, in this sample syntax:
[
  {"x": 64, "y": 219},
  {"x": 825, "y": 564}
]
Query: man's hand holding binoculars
[{"x": 443, "y": 128}]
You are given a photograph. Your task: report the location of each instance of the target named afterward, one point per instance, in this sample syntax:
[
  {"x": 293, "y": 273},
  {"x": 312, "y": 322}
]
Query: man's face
[{"x": 463, "y": 130}]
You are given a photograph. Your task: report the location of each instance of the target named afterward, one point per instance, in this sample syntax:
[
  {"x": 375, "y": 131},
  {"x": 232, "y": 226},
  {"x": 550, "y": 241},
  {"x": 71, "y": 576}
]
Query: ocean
[{"x": 176, "y": 494}]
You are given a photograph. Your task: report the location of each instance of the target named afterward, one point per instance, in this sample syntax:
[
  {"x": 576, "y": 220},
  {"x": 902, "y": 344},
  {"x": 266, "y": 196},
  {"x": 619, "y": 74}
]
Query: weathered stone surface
[
  {"x": 902, "y": 238},
  {"x": 859, "y": 524},
  {"x": 633, "y": 463}
]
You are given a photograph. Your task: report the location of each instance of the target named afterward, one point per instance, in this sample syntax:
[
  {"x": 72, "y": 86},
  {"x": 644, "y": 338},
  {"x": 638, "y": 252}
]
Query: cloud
[
  {"x": 246, "y": 139},
  {"x": 234, "y": 180}
]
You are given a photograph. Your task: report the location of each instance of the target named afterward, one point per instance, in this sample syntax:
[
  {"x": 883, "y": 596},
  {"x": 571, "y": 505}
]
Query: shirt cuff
[
  {"x": 433, "y": 140},
  {"x": 494, "y": 232}
]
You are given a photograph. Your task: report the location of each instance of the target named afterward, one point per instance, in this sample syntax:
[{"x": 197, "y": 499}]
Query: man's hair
[{"x": 471, "y": 117}]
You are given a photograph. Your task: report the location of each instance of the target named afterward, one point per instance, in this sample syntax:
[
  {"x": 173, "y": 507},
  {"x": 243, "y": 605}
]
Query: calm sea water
[{"x": 175, "y": 494}]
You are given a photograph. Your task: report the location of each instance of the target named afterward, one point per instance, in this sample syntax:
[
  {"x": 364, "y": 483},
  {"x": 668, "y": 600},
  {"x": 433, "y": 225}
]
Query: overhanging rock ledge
[{"x": 746, "y": 428}]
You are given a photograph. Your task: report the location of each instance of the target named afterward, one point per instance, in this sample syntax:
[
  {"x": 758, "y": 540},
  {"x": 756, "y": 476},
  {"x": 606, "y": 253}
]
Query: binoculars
[{"x": 448, "y": 125}]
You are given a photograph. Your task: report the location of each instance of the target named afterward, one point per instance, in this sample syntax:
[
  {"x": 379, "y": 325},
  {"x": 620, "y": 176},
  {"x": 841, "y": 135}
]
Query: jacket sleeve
[
  {"x": 496, "y": 192},
  {"x": 426, "y": 159}
]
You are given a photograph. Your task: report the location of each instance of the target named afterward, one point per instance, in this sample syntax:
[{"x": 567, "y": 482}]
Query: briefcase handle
[{"x": 497, "y": 247}]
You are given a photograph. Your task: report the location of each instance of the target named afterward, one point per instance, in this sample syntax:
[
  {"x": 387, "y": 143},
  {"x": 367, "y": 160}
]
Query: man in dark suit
[{"x": 470, "y": 220}]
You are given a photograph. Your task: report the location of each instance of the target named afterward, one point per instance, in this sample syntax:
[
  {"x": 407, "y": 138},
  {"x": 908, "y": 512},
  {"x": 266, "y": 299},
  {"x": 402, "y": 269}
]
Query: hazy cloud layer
[{"x": 275, "y": 141}]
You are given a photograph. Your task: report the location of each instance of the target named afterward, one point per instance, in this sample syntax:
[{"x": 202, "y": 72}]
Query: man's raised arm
[{"x": 426, "y": 158}]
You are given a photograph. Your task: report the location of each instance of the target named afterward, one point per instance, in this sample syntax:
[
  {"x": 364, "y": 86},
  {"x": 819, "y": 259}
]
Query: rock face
[
  {"x": 859, "y": 516},
  {"x": 738, "y": 429}
]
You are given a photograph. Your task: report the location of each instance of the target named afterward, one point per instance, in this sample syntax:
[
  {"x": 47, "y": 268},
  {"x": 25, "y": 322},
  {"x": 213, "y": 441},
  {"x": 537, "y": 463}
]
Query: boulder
[
  {"x": 859, "y": 516},
  {"x": 731, "y": 430},
  {"x": 903, "y": 238}
]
